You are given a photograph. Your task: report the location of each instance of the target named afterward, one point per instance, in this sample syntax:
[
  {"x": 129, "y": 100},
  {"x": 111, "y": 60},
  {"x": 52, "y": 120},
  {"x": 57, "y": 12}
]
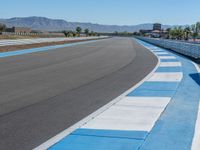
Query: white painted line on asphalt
[
  {"x": 167, "y": 77},
  {"x": 81, "y": 123},
  {"x": 170, "y": 64}
]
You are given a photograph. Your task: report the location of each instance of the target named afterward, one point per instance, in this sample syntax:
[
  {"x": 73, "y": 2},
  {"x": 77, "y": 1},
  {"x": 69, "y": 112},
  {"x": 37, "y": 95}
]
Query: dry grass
[
  {"x": 27, "y": 46},
  {"x": 13, "y": 37}
]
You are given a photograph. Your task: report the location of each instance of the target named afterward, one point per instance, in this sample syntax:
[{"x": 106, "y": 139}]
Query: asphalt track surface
[{"x": 43, "y": 93}]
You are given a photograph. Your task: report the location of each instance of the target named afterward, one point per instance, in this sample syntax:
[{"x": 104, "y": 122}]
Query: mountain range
[{"x": 47, "y": 24}]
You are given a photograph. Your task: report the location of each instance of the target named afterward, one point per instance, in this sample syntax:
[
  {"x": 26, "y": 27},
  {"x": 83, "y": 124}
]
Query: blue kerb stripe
[
  {"x": 45, "y": 48},
  {"x": 151, "y": 93},
  {"x": 169, "y": 60},
  {"x": 168, "y": 69},
  {"x": 156, "y": 51},
  {"x": 155, "y": 89},
  {"x": 76, "y": 142},
  {"x": 164, "y": 54},
  {"x": 177, "y": 124},
  {"x": 112, "y": 133},
  {"x": 166, "y": 86},
  {"x": 87, "y": 139}
]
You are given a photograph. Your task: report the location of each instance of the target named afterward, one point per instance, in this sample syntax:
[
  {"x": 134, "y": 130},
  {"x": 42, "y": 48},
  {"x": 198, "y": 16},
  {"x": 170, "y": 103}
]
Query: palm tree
[
  {"x": 180, "y": 33},
  {"x": 187, "y": 32},
  {"x": 177, "y": 33},
  {"x": 198, "y": 27},
  {"x": 194, "y": 33},
  {"x": 168, "y": 33},
  {"x": 86, "y": 32},
  {"x": 172, "y": 33},
  {"x": 78, "y": 30}
]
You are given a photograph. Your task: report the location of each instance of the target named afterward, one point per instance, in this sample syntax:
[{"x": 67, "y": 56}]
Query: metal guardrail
[{"x": 188, "y": 49}]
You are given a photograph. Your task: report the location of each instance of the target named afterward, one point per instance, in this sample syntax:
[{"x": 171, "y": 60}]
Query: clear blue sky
[{"x": 120, "y": 12}]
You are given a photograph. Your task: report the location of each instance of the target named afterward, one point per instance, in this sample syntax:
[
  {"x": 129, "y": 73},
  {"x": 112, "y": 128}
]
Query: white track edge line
[
  {"x": 79, "y": 124},
  {"x": 196, "y": 138}
]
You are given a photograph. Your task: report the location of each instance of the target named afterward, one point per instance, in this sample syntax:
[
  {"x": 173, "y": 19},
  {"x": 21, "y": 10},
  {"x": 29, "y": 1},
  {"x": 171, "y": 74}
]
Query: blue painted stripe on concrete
[
  {"x": 85, "y": 142},
  {"x": 168, "y": 86},
  {"x": 151, "y": 93},
  {"x": 175, "y": 128},
  {"x": 164, "y": 54},
  {"x": 40, "y": 49},
  {"x": 112, "y": 133},
  {"x": 169, "y": 60},
  {"x": 168, "y": 69},
  {"x": 157, "y": 50},
  {"x": 155, "y": 89}
]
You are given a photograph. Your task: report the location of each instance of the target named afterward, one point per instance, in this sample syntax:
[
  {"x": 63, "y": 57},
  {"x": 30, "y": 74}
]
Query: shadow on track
[{"x": 196, "y": 77}]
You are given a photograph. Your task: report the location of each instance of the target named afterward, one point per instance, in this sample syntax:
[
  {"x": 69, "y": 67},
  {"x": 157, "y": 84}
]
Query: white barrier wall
[{"x": 189, "y": 49}]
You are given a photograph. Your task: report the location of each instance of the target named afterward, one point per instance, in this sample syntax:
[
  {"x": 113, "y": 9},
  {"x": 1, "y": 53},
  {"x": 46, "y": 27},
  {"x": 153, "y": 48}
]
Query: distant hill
[{"x": 42, "y": 23}]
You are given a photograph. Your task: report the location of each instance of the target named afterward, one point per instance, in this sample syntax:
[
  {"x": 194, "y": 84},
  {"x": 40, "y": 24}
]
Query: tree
[
  {"x": 68, "y": 33},
  {"x": 187, "y": 32},
  {"x": 168, "y": 33},
  {"x": 92, "y": 33},
  {"x": 116, "y": 33},
  {"x": 86, "y": 32},
  {"x": 194, "y": 32},
  {"x": 172, "y": 34},
  {"x": 2, "y": 27},
  {"x": 78, "y": 30},
  {"x": 180, "y": 33},
  {"x": 177, "y": 33},
  {"x": 136, "y": 33},
  {"x": 198, "y": 27}
]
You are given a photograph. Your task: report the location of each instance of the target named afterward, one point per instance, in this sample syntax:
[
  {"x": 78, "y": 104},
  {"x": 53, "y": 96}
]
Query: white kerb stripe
[
  {"x": 144, "y": 101},
  {"x": 167, "y": 77},
  {"x": 170, "y": 64},
  {"x": 161, "y": 53},
  {"x": 167, "y": 57},
  {"x": 130, "y": 114}
]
